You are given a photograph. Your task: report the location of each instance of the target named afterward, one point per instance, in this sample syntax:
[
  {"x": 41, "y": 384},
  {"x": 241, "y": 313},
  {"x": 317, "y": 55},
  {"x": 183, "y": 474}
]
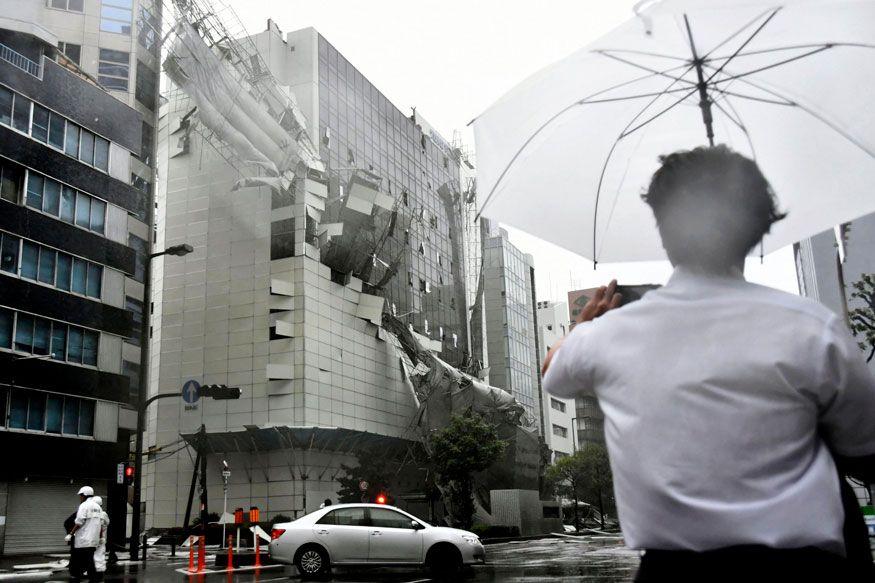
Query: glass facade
[{"x": 361, "y": 129}]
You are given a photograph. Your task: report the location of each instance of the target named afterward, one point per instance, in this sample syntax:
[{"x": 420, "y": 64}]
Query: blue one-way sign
[{"x": 191, "y": 391}]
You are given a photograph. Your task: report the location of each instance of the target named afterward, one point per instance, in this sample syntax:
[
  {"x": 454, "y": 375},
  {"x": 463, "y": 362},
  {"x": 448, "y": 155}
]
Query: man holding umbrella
[{"x": 729, "y": 407}]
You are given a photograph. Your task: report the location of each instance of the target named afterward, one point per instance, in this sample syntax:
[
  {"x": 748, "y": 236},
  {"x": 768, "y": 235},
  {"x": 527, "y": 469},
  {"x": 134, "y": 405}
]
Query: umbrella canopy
[{"x": 566, "y": 154}]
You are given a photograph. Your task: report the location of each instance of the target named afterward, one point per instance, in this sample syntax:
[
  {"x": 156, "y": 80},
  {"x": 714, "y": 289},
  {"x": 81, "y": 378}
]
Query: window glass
[
  {"x": 113, "y": 69},
  {"x": 86, "y": 146},
  {"x": 5, "y": 106},
  {"x": 6, "y": 319},
  {"x": 346, "y": 517},
  {"x": 42, "y": 331},
  {"x": 98, "y": 214},
  {"x": 51, "y": 197},
  {"x": 4, "y": 396},
  {"x": 34, "y": 191},
  {"x": 95, "y": 280},
  {"x": 80, "y": 276},
  {"x": 10, "y": 182},
  {"x": 68, "y": 204},
  {"x": 76, "y": 5},
  {"x": 9, "y": 253},
  {"x": 383, "y": 517},
  {"x": 89, "y": 347},
  {"x": 18, "y": 410},
  {"x": 71, "y": 415},
  {"x": 145, "y": 88},
  {"x": 21, "y": 113},
  {"x": 86, "y": 417},
  {"x": 64, "y": 270},
  {"x": 56, "y": 131},
  {"x": 39, "y": 128},
  {"x": 59, "y": 341},
  {"x": 36, "y": 413},
  {"x": 74, "y": 344},
  {"x": 71, "y": 146},
  {"x": 83, "y": 210},
  {"x": 29, "y": 260},
  {"x": 24, "y": 333},
  {"x": 46, "y": 265},
  {"x": 101, "y": 153},
  {"x": 54, "y": 413},
  {"x": 73, "y": 52}
]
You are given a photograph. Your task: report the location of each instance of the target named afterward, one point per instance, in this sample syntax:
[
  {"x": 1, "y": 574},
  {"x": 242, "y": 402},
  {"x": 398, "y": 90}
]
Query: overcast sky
[{"x": 452, "y": 59}]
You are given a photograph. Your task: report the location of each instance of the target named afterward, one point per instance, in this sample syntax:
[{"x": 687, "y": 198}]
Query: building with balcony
[
  {"x": 73, "y": 234},
  {"x": 559, "y": 423}
]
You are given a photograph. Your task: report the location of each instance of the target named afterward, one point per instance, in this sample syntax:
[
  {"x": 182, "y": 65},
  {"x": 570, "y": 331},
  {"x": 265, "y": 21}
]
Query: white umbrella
[{"x": 566, "y": 154}]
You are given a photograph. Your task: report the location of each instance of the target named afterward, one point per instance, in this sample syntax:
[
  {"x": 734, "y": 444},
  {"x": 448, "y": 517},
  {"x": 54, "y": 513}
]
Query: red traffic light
[
  {"x": 129, "y": 472},
  {"x": 381, "y": 498}
]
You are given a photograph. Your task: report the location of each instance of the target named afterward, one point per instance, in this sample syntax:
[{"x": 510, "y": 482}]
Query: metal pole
[
  {"x": 204, "y": 509},
  {"x": 702, "y": 86}
]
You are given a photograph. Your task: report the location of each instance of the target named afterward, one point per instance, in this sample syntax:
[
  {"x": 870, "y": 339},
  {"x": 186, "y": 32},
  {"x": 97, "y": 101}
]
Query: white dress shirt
[
  {"x": 713, "y": 390},
  {"x": 88, "y": 519}
]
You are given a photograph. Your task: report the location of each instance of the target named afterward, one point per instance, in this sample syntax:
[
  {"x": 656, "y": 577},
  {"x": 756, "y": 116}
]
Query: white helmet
[
  {"x": 86, "y": 491},
  {"x": 98, "y": 500}
]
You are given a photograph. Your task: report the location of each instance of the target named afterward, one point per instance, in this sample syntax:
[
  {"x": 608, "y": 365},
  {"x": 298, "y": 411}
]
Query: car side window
[
  {"x": 385, "y": 518},
  {"x": 345, "y": 517}
]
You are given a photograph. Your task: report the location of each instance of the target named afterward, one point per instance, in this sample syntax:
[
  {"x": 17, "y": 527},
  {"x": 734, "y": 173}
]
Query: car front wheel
[
  {"x": 312, "y": 561},
  {"x": 444, "y": 562}
]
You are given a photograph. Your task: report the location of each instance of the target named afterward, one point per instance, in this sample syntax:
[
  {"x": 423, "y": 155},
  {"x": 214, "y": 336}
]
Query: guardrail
[{"x": 18, "y": 60}]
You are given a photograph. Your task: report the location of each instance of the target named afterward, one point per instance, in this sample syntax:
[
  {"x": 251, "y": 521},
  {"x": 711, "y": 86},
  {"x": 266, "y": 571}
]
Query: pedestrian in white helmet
[
  {"x": 85, "y": 536},
  {"x": 100, "y": 552}
]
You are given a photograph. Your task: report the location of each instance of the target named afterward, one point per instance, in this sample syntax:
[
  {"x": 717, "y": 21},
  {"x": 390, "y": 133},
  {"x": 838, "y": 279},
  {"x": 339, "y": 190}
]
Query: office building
[
  {"x": 284, "y": 293},
  {"x": 511, "y": 321},
  {"x": 74, "y": 233}
]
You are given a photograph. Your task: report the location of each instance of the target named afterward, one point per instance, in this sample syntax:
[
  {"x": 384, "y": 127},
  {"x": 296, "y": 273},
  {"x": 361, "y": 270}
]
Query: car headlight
[{"x": 471, "y": 539}]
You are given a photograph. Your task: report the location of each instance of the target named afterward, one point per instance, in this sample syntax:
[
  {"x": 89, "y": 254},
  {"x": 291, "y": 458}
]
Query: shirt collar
[{"x": 684, "y": 277}]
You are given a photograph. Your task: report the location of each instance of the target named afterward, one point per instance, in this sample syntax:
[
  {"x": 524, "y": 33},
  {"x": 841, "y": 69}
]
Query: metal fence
[{"x": 20, "y": 61}]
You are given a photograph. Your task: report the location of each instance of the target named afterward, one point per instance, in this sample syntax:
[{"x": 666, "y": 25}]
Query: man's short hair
[{"x": 712, "y": 205}]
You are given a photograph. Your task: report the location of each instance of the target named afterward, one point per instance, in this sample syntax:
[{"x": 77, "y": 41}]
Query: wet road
[{"x": 587, "y": 559}]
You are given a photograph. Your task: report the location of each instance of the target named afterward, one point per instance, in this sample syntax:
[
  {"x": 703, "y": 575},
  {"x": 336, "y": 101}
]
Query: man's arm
[
  {"x": 561, "y": 378},
  {"x": 847, "y": 413}
]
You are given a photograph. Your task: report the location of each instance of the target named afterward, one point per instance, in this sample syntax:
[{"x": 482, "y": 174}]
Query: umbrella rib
[
  {"x": 642, "y": 67},
  {"x": 741, "y": 30},
  {"x": 631, "y": 97},
  {"x": 830, "y": 124},
  {"x": 726, "y": 92},
  {"x": 552, "y": 119},
  {"x": 643, "y": 53},
  {"x": 767, "y": 67},
  {"x": 652, "y": 118},
  {"x": 793, "y": 47},
  {"x": 737, "y": 121},
  {"x": 753, "y": 35}
]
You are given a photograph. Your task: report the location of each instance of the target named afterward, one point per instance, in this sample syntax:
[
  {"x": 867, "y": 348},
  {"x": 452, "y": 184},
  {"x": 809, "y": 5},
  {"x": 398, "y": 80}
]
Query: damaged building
[{"x": 328, "y": 279}]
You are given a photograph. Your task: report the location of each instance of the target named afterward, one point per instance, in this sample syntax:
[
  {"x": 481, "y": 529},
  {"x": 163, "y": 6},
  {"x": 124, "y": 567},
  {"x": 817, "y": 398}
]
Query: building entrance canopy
[{"x": 265, "y": 438}]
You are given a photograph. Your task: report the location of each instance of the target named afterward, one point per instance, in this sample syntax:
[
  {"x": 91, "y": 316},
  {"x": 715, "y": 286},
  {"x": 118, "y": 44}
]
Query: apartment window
[
  {"x": 73, "y": 52},
  {"x": 113, "y": 69},
  {"x": 57, "y": 269},
  {"x": 69, "y": 205},
  {"x": 9, "y": 247},
  {"x": 11, "y": 180},
  {"x": 147, "y": 143},
  {"x": 557, "y": 405},
  {"x": 560, "y": 431},
  {"x": 146, "y": 86},
  {"x": 7, "y": 317},
  {"x": 71, "y": 5},
  {"x": 116, "y": 16},
  {"x": 49, "y": 412},
  {"x": 65, "y": 342},
  {"x": 21, "y": 113}
]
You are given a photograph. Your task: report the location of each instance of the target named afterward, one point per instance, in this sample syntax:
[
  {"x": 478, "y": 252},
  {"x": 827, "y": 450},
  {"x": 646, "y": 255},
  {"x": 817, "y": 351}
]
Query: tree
[
  {"x": 863, "y": 317},
  {"x": 468, "y": 444},
  {"x": 374, "y": 470},
  {"x": 584, "y": 476}
]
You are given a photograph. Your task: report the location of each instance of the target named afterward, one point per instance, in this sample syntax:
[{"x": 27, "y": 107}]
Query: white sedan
[{"x": 371, "y": 534}]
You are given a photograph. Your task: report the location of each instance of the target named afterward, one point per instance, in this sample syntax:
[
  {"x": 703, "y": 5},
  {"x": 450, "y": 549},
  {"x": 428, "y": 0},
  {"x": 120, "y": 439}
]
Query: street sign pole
[{"x": 226, "y": 473}]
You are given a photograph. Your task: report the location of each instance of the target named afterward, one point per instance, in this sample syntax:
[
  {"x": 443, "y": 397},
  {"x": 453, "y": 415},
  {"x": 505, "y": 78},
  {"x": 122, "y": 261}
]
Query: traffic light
[
  {"x": 381, "y": 499},
  {"x": 220, "y": 392},
  {"x": 129, "y": 474}
]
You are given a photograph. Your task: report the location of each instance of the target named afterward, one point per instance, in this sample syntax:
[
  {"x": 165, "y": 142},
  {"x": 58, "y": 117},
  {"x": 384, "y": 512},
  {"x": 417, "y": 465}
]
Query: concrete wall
[{"x": 552, "y": 326}]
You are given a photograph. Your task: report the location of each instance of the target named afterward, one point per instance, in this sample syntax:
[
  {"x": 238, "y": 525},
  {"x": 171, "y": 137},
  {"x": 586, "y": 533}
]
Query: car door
[
  {"x": 345, "y": 533},
  {"x": 394, "y": 539}
]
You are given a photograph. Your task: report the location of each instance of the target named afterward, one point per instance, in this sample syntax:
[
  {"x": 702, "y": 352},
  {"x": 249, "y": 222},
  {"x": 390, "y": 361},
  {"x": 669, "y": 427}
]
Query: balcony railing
[{"x": 18, "y": 60}]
